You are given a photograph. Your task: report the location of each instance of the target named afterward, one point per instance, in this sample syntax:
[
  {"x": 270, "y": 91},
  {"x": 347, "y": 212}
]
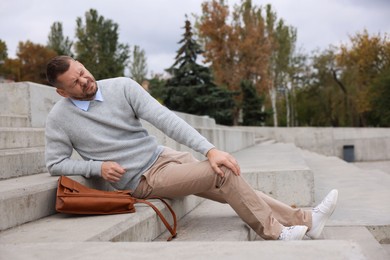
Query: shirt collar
[{"x": 84, "y": 104}]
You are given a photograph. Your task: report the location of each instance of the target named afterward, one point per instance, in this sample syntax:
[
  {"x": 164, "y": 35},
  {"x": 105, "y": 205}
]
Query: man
[{"x": 101, "y": 121}]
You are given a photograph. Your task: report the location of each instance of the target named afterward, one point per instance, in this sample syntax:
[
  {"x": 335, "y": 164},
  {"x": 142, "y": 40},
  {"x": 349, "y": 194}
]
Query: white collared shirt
[{"x": 84, "y": 104}]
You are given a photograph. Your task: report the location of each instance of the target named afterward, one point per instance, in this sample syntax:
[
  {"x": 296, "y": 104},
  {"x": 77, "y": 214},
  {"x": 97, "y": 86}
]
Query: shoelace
[{"x": 285, "y": 232}]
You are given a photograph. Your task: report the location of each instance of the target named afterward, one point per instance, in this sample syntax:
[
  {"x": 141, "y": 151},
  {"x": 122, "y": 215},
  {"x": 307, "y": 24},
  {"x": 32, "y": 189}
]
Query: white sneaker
[
  {"x": 292, "y": 233},
  {"x": 322, "y": 213}
]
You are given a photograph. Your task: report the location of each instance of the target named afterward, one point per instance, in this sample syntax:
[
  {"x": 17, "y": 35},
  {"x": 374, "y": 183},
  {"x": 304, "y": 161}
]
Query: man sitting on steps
[{"x": 101, "y": 121}]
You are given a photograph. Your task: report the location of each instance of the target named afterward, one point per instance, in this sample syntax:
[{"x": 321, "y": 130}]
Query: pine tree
[
  {"x": 191, "y": 89},
  {"x": 252, "y": 105}
]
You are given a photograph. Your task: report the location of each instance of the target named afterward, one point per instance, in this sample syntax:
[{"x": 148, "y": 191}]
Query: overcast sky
[{"x": 156, "y": 25}]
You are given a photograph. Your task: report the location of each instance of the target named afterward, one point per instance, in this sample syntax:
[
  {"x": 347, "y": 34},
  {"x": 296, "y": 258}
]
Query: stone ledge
[
  {"x": 13, "y": 121},
  {"x": 22, "y": 162},
  {"x": 21, "y": 137},
  {"x": 294, "y": 250},
  {"x": 280, "y": 171},
  {"x": 143, "y": 225}
]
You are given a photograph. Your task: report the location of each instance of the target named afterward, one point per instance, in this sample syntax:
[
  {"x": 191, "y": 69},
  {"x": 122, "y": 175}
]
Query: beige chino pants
[{"x": 178, "y": 174}]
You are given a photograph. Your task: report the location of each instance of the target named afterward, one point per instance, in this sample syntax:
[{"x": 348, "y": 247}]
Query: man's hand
[
  {"x": 112, "y": 171},
  {"x": 219, "y": 158}
]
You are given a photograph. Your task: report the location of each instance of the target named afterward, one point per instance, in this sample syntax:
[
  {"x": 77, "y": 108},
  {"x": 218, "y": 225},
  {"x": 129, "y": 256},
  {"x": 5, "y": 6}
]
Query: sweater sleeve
[
  {"x": 58, "y": 154},
  {"x": 149, "y": 109}
]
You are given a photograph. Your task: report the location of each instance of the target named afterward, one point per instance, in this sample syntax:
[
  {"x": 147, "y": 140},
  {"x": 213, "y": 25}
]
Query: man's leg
[
  {"x": 171, "y": 178},
  {"x": 285, "y": 214}
]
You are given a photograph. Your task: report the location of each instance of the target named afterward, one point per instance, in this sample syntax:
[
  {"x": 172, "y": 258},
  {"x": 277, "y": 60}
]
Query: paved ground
[{"x": 379, "y": 165}]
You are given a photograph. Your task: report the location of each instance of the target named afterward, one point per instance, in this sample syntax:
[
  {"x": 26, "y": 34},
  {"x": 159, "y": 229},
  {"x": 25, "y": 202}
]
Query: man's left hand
[{"x": 219, "y": 158}]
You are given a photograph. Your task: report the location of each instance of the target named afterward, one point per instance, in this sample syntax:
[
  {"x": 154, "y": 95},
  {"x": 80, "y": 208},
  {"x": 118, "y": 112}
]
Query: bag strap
[{"x": 172, "y": 230}]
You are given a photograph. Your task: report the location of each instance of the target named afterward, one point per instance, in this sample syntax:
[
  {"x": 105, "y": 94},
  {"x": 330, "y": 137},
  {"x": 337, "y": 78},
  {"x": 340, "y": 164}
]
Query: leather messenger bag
[{"x": 75, "y": 198}]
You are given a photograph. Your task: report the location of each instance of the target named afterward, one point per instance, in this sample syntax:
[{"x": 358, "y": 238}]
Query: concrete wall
[
  {"x": 35, "y": 101},
  {"x": 40, "y": 99},
  {"x": 370, "y": 144}
]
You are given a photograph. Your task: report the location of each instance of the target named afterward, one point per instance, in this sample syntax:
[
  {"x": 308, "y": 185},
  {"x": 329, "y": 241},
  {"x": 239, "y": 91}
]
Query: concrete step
[
  {"x": 364, "y": 195},
  {"x": 143, "y": 225},
  {"x": 29, "y": 198},
  {"x": 280, "y": 171},
  {"x": 22, "y": 162},
  {"x": 210, "y": 221},
  {"x": 294, "y": 250},
  {"x": 14, "y": 121},
  {"x": 369, "y": 245},
  {"x": 20, "y": 137}
]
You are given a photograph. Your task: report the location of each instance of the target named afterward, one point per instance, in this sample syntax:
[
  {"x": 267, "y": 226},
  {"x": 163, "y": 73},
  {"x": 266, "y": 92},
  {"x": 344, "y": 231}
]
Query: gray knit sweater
[{"x": 111, "y": 131}]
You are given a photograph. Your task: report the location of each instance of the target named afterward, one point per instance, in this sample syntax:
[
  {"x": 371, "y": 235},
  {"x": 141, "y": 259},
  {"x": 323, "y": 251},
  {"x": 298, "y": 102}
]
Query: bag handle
[{"x": 172, "y": 230}]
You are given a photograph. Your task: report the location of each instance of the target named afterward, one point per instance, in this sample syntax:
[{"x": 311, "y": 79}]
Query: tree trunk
[
  {"x": 272, "y": 94},
  {"x": 286, "y": 96}
]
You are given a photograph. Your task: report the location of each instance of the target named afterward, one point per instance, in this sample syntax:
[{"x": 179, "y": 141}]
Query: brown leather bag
[{"x": 75, "y": 198}]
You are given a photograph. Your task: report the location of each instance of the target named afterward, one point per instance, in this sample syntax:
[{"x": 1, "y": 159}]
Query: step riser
[
  {"x": 28, "y": 211},
  {"x": 295, "y": 188},
  {"x": 10, "y": 121},
  {"x": 143, "y": 225},
  {"x": 22, "y": 164},
  {"x": 11, "y": 138},
  {"x": 28, "y": 207},
  {"x": 33, "y": 202}
]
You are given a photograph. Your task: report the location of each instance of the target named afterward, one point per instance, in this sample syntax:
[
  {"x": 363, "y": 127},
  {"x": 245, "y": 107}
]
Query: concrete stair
[{"x": 31, "y": 229}]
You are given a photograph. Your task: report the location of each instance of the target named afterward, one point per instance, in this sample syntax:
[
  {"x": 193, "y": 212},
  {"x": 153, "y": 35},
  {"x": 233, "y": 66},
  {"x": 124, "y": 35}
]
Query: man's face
[{"x": 77, "y": 82}]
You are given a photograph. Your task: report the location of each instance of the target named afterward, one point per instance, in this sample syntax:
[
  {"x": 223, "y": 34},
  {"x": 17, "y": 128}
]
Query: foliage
[
  {"x": 157, "y": 87},
  {"x": 56, "y": 40},
  {"x": 98, "y": 48},
  {"x": 349, "y": 84},
  {"x": 30, "y": 64},
  {"x": 191, "y": 89},
  {"x": 254, "y": 47},
  {"x": 252, "y": 105},
  {"x": 380, "y": 100},
  {"x": 3, "y": 51},
  {"x": 138, "y": 66}
]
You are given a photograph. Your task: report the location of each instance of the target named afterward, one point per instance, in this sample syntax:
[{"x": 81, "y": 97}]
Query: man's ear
[{"x": 62, "y": 92}]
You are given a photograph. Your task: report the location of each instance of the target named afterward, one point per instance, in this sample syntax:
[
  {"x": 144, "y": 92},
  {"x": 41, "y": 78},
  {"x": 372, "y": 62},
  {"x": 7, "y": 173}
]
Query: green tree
[
  {"x": 191, "y": 88},
  {"x": 380, "y": 101},
  {"x": 56, "y": 40},
  {"x": 252, "y": 108},
  {"x": 157, "y": 87},
  {"x": 361, "y": 63},
  {"x": 138, "y": 65},
  {"x": 3, "y": 51},
  {"x": 3, "y": 57},
  {"x": 98, "y": 48}
]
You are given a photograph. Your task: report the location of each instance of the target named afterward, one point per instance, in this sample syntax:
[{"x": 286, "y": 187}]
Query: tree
[
  {"x": 361, "y": 63},
  {"x": 3, "y": 51},
  {"x": 98, "y": 48},
  {"x": 157, "y": 87},
  {"x": 251, "y": 48},
  {"x": 321, "y": 101},
  {"x": 380, "y": 101},
  {"x": 138, "y": 67},
  {"x": 56, "y": 40},
  {"x": 32, "y": 61},
  {"x": 191, "y": 88},
  {"x": 252, "y": 105},
  {"x": 3, "y": 57}
]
